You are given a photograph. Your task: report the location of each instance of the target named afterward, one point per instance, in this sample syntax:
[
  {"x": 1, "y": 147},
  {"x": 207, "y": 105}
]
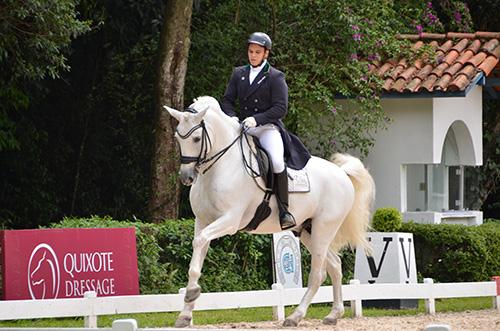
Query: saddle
[{"x": 298, "y": 181}]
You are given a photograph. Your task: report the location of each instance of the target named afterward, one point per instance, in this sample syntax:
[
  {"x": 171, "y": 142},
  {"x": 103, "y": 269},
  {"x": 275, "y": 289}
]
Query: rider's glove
[{"x": 249, "y": 122}]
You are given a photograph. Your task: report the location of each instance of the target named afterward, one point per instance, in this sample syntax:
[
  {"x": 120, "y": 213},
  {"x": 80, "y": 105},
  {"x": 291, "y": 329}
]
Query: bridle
[{"x": 202, "y": 157}]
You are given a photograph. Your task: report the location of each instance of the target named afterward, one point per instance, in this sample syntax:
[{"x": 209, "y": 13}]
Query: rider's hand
[{"x": 249, "y": 122}]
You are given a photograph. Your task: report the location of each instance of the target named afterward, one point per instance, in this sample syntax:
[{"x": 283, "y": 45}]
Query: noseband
[{"x": 202, "y": 158}]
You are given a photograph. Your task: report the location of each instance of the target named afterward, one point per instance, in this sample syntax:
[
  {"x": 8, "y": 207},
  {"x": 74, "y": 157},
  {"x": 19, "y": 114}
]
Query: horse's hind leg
[
  {"x": 334, "y": 268},
  {"x": 318, "y": 247}
]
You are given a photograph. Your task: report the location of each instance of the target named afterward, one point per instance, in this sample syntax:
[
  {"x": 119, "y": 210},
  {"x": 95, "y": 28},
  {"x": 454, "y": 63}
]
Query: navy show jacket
[{"x": 266, "y": 99}]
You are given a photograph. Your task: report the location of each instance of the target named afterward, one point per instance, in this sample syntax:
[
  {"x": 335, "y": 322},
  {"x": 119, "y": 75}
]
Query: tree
[{"x": 172, "y": 67}]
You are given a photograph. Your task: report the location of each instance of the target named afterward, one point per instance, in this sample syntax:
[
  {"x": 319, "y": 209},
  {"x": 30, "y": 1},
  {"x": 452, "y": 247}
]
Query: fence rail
[{"x": 90, "y": 307}]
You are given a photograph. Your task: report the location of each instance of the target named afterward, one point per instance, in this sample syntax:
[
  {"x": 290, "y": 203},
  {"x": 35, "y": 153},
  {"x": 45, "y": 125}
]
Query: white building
[{"x": 420, "y": 162}]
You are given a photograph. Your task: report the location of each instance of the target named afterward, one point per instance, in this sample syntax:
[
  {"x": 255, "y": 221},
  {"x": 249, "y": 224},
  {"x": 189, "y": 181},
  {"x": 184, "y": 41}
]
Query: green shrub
[
  {"x": 233, "y": 263},
  {"x": 156, "y": 275},
  {"x": 446, "y": 253},
  {"x": 456, "y": 253},
  {"x": 387, "y": 220}
]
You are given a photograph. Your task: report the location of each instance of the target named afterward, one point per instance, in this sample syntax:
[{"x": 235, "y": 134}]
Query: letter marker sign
[
  {"x": 65, "y": 263},
  {"x": 393, "y": 261}
]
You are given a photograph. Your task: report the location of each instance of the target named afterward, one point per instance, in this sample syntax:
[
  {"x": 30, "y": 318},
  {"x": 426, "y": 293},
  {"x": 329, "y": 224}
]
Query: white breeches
[{"x": 270, "y": 138}]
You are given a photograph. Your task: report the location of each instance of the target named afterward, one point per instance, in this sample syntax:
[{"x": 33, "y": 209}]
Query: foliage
[
  {"x": 307, "y": 38},
  {"x": 81, "y": 144},
  {"x": 448, "y": 252},
  {"x": 34, "y": 40},
  {"x": 455, "y": 253},
  {"x": 34, "y": 36},
  {"x": 85, "y": 140},
  {"x": 387, "y": 220},
  {"x": 233, "y": 263},
  {"x": 155, "y": 274}
]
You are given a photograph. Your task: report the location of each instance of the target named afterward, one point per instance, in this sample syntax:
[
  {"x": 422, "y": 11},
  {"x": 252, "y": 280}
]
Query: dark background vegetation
[{"x": 80, "y": 144}]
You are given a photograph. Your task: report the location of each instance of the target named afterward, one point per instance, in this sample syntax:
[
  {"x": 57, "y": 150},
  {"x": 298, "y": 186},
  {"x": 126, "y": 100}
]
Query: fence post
[
  {"x": 496, "y": 298},
  {"x": 279, "y": 310},
  {"x": 91, "y": 320},
  {"x": 430, "y": 302},
  {"x": 356, "y": 304}
]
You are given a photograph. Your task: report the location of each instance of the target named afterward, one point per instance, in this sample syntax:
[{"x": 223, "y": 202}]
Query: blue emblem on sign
[{"x": 288, "y": 263}]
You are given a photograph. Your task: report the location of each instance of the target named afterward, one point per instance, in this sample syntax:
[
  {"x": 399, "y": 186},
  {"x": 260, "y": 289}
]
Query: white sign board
[
  {"x": 393, "y": 259},
  {"x": 286, "y": 260}
]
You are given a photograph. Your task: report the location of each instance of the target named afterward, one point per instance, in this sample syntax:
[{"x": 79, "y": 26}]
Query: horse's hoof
[
  {"x": 183, "y": 322},
  {"x": 330, "y": 321},
  {"x": 290, "y": 322},
  {"x": 192, "y": 294}
]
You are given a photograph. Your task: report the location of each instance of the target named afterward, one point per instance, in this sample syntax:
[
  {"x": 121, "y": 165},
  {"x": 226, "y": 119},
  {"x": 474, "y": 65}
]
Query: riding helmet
[{"x": 260, "y": 38}]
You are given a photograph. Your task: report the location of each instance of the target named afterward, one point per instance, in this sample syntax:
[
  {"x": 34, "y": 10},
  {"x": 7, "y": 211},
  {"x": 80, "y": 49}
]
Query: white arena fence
[{"x": 90, "y": 306}]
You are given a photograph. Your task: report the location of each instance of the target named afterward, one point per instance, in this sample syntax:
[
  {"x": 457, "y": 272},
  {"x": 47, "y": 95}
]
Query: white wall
[
  {"x": 407, "y": 140},
  {"x": 464, "y": 115}
]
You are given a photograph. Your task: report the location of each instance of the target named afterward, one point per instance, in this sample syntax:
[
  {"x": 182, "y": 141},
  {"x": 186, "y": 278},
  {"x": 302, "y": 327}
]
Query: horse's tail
[{"x": 357, "y": 223}]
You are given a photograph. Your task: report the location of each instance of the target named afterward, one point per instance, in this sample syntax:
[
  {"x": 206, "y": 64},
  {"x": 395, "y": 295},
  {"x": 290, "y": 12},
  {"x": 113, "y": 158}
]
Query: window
[{"x": 437, "y": 187}]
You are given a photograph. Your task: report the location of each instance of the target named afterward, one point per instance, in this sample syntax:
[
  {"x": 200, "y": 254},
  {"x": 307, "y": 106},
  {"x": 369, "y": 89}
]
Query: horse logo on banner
[{"x": 44, "y": 276}]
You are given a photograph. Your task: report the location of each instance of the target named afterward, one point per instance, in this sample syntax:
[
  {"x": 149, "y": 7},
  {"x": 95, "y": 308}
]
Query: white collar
[{"x": 259, "y": 68}]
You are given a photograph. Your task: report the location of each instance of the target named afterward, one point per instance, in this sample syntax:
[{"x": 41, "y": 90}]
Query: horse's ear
[
  {"x": 174, "y": 113},
  {"x": 202, "y": 113}
]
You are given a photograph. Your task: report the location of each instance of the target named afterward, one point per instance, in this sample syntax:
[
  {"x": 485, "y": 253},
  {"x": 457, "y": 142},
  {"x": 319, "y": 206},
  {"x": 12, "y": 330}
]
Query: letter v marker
[
  {"x": 407, "y": 263},
  {"x": 371, "y": 261}
]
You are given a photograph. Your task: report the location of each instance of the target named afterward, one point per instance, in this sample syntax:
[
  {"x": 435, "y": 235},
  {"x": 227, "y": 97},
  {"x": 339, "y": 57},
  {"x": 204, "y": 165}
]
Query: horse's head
[{"x": 193, "y": 140}]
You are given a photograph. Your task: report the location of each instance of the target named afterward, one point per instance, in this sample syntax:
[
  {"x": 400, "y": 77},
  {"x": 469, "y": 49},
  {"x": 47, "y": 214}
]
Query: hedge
[
  {"x": 449, "y": 252},
  {"x": 233, "y": 263},
  {"x": 456, "y": 253},
  {"x": 446, "y": 253}
]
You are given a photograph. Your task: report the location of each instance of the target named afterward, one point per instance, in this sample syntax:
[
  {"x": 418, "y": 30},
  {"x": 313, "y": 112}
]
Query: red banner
[{"x": 65, "y": 263}]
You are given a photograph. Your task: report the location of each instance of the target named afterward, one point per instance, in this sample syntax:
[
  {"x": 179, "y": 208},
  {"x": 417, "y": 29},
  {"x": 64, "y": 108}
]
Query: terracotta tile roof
[{"x": 459, "y": 59}]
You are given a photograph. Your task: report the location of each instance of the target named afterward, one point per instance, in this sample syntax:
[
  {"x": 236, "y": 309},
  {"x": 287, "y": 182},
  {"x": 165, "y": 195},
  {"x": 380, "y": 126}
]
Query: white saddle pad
[{"x": 298, "y": 180}]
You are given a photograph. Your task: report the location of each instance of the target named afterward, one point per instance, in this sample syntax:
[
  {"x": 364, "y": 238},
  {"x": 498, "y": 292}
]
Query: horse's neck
[{"x": 223, "y": 133}]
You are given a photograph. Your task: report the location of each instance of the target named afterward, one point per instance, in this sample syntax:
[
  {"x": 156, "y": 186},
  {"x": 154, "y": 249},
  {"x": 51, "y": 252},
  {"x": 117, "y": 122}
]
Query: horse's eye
[{"x": 196, "y": 139}]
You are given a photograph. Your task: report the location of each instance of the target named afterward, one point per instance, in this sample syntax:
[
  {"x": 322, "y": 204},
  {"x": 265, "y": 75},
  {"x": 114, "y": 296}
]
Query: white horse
[{"x": 224, "y": 198}]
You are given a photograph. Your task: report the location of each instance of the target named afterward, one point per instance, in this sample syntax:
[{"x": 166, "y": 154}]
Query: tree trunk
[{"x": 172, "y": 66}]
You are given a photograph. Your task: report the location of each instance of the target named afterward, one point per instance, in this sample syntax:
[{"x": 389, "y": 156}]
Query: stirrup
[{"x": 287, "y": 221}]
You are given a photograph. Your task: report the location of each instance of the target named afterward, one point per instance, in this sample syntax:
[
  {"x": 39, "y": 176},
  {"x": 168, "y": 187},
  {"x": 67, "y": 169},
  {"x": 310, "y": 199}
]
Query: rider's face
[{"x": 256, "y": 54}]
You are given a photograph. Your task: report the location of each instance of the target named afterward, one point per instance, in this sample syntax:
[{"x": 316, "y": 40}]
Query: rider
[{"x": 262, "y": 95}]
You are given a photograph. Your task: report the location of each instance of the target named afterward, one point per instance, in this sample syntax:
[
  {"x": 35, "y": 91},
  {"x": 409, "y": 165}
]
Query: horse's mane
[{"x": 212, "y": 103}]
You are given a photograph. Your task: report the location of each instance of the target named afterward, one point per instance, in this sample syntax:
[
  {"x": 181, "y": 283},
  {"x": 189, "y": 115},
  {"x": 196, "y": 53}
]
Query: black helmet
[{"x": 260, "y": 38}]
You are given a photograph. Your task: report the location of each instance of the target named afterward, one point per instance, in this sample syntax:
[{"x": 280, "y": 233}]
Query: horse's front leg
[
  {"x": 227, "y": 224},
  {"x": 193, "y": 290}
]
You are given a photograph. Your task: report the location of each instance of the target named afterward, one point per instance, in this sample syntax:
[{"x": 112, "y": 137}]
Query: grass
[{"x": 317, "y": 311}]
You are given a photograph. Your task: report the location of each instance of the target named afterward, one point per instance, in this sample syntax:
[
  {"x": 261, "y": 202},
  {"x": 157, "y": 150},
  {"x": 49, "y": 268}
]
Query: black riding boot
[{"x": 281, "y": 189}]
